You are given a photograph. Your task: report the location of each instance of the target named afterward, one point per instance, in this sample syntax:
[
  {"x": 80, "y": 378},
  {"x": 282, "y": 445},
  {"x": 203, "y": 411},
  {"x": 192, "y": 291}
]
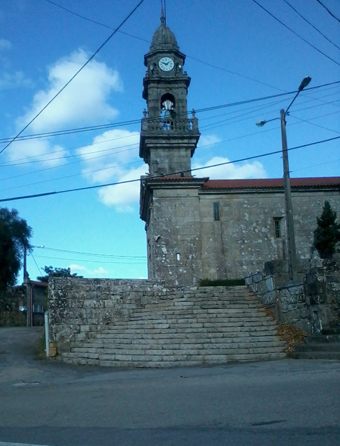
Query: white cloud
[
  {"x": 14, "y": 80},
  {"x": 110, "y": 159},
  {"x": 83, "y": 102},
  {"x": 101, "y": 271},
  {"x": 83, "y": 270},
  {"x": 123, "y": 196},
  {"x": 230, "y": 171},
  {"x": 106, "y": 158},
  {"x": 5, "y": 44},
  {"x": 42, "y": 150},
  {"x": 76, "y": 268},
  {"x": 208, "y": 140}
]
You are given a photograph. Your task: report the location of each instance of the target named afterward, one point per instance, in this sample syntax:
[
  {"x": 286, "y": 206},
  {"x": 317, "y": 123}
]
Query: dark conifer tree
[{"x": 327, "y": 233}]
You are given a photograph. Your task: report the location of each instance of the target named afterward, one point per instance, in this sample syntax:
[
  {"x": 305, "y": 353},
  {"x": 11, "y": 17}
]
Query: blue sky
[{"x": 235, "y": 52}]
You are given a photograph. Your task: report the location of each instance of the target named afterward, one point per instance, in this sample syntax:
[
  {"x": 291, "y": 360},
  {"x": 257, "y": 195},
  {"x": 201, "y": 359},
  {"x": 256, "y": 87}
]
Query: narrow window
[
  {"x": 277, "y": 227},
  {"x": 216, "y": 211}
]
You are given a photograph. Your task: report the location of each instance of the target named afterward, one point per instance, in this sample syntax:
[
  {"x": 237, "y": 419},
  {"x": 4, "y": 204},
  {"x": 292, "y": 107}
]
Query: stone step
[
  {"x": 331, "y": 331},
  {"x": 184, "y": 338},
  {"x": 192, "y": 343},
  {"x": 213, "y": 303},
  {"x": 320, "y": 339},
  {"x": 182, "y": 334},
  {"x": 315, "y": 355},
  {"x": 320, "y": 347},
  {"x": 192, "y": 360},
  {"x": 215, "y": 319},
  {"x": 203, "y": 315},
  {"x": 190, "y": 350},
  {"x": 202, "y": 303},
  {"x": 178, "y": 327},
  {"x": 169, "y": 355},
  {"x": 250, "y": 316},
  {"x": 195, "y": 327}
]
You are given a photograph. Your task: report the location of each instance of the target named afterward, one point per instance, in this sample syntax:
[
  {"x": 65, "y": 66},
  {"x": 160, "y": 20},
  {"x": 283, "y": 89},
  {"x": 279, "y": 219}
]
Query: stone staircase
[
  {"x": 325, "y": 345},
  {"x": 208, "y": 325}
]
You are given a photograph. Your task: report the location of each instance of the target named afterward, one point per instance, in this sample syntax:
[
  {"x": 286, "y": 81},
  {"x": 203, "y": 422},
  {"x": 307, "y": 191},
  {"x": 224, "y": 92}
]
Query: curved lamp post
[{"x": 292, "y": 261}]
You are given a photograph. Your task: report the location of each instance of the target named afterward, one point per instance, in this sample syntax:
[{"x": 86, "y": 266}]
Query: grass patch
[{"x": 220, "y": 282}]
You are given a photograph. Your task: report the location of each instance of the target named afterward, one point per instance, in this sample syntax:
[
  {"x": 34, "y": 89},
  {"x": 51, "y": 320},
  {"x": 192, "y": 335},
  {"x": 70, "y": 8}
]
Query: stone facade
[{"x": 199, "y": 228}]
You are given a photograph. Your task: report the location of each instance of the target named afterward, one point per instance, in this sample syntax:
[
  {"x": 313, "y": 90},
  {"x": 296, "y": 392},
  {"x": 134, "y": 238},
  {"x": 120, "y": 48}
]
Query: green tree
[
  {"x": 327, "y": 233},
  {"x": 56, "y": 272},
  {"x": 14, "y": 239}
]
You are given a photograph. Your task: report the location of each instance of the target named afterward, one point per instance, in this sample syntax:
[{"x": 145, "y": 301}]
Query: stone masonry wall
[
  {"x": 244, "y": 237},
  {"x": 174, "y": 244},
  {"x": 78, "y": 308},
  {"x": 312, "y": 304}
]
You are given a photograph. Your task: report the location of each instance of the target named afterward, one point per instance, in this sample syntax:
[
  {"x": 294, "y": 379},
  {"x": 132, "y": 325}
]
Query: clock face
[{"x": 166, "y": 64}]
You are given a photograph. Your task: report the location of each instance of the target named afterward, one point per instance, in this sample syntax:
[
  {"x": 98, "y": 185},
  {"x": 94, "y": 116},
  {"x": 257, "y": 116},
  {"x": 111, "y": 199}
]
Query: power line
[
  {"x": 144, "y": 40},
  {"x": 78, "y": 189},
  {"x": 137, "y": 262},
  {"x": 309, "y": 23},
  {"x": 73, "y": 77},
  {"x": 328, "y": 10},
  {"x": 137, "y": 121},
  {"x": 71, "y": 131},
  {"x": 318, "y": 125},
  {"x": 89, "y": 253},
  {"x": 208, "y": 126},
  {"x": 315, "y": 165},
  {"x": 94, "y": 21},
  {"x": 296, "y": 34},
  {"x": 41, "y": 159},
  {"x": 31, "y": 253},
  {"x": 232, "y": 72}
]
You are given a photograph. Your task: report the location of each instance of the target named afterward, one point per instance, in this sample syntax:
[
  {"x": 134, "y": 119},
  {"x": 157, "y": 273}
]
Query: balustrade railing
[{"x": 169, "y": 125}]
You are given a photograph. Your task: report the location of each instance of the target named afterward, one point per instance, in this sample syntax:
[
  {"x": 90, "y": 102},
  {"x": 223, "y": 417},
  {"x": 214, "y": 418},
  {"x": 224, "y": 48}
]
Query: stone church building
[{"x": 200, "y": 228}]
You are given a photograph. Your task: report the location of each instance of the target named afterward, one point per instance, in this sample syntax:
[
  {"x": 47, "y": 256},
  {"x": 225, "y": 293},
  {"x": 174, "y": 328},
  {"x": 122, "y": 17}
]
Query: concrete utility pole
[
  {"x": 292, "y": 259},
  {"x": 28, "y": 291},
  {"x": 292, "y": 263}
]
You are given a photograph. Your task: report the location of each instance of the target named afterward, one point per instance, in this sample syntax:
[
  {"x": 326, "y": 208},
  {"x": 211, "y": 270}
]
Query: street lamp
[{"x": 292, "y": 262}]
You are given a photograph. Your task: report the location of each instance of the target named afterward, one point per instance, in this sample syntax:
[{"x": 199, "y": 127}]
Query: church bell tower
[
  {"x": 169, "y": 202},
  {"x": 168, "y": 137}
]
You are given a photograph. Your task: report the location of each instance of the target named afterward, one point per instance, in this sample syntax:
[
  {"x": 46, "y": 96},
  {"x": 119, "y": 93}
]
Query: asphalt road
[{"x": 269, "y": 403}]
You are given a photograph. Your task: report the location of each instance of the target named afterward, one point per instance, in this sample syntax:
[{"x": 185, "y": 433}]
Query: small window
[
  {"x": 277, "y": 227},
  {"x": 216, "y": 211}
]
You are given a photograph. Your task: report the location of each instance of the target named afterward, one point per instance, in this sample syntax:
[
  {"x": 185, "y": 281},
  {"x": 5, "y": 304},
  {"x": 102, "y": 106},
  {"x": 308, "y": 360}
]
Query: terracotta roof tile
[{"x": 271, "y": 183}]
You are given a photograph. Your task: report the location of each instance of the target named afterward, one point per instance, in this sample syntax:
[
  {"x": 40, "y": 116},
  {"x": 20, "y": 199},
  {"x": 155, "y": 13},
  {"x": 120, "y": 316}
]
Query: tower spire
[{"x": 163, "y": 12}]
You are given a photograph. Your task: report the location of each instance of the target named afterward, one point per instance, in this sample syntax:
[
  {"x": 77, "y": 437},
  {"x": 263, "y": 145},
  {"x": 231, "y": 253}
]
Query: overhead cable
[
  {"x": 309, "y": 23},
  {"x": 328, "y": 10},
  {"x": 94, "y": 21},
  {"x": 90, "y": 254},
  {"x": 116, "y": 183},
  {"x": 136, "y": 121},
  {"x": 73, "y": 77},
  {"x": 295, "y": 33},
  {"x": 136, "y": 262},
  {"x": 148, "y": 41}
]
